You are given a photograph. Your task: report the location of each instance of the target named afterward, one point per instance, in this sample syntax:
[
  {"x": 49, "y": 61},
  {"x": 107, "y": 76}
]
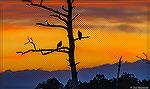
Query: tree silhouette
[
  {"x": 127, "y": 80},
  {"x": 67, "y": 18},
  {"x": 84, "y": 85},
  {"x": 69, "y": 84},
  {"x": 100, "y": 82},
  {"x": 147, "y": 61},
  {"x": 118, "y": 72},
  {"x": 144, "y": 83},
  {"x": 51, "y": 83}
]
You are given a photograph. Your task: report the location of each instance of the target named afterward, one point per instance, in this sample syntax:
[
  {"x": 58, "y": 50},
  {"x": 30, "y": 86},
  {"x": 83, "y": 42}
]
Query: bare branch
[
  {"x": 82, "y": 38},
  {"x": 63, "y": 51},
  {"x": 120, "y": 61},
  {"x": 67, "y": 60},
  {"x": 33, "y": 45},
  {"x": 75, "y": 17},
  {"x": 73, "y": 7},
  {"x": 144, "y": 59},
  {"x": 53, "y": 50},
  {"x": 27, "y": 1},
  {"x": 63, "y": 7},
  {"x": 47, "y": 51},
  {"x": 60, "y": 18},
  {"x": 30, "y": 41},
  {"x": 64, "y": 48},
  {"x": 77, "y": 63},
  {"x": 22, "y": 53},
  {"x": 140, "y": 58},
  {"x": 145, "y": 55},
  {"x": 41, "y": 2},
  {"x": 52, "y": 25},
  {"x": 46, "y": 8}
]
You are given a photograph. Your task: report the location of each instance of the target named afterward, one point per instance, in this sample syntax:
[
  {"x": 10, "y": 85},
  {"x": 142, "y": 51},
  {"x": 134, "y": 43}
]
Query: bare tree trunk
[
  {"x": 72, "y": 46},
  {"x": 67, "y": 19},
  {"x": 118, "y": 72},
  {"x": 72, "y": 59}
]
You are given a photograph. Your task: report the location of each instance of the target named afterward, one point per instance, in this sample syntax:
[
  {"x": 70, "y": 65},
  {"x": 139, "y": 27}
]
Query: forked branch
[
  {"x": 120, "y": 61},
  {"x": 44, "y": 7},
  {"x": 41, "y": 2},
  {"x": 47, "y": 51},
  {"x": 63, "y": 7},
  {"x": 60, "y": 18},
  {"x": 75, "y": 17},
  {"x": 52, "y": 25},
  {"x": 30, "y": 41},
  {"x": 75, "y": 64},
  {"x": 144, "y": 59}
]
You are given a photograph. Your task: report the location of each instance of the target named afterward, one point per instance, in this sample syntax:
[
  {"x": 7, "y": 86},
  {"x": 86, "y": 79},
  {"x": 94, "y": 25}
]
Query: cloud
[
  {"x": 128, "y": 28},
  {"x": 122, "y": 27},
  {"x": 115, "y": 14},
  {"x": 16, "y": 11}
]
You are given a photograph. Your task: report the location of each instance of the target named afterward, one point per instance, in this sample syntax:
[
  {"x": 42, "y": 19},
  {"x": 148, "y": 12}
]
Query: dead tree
[
  {"x": 118, "y": 72},
  {"x": 147, "y": 62},
  {"x": 67, "y": 18}
]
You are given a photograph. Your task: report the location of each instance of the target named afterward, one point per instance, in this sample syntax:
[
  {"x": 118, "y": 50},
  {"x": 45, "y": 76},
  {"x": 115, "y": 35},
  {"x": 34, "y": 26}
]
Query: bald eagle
[
  {"x": 59, "y": 44},
  {"x": 79, "y": 35}
]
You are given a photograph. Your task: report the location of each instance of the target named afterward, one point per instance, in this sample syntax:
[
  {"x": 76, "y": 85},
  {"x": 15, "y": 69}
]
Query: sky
[{"x": 116, "y": 28}]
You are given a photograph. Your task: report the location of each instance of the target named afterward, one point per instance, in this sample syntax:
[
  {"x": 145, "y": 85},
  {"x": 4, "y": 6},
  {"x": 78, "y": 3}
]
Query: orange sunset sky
[{"x": 116, "y": 28}]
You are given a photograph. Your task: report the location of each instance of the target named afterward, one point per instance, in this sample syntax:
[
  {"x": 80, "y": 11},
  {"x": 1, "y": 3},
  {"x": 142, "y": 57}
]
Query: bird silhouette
[
  {"x": 59, "y": 44},
  {"x": 79, "y": 35}
]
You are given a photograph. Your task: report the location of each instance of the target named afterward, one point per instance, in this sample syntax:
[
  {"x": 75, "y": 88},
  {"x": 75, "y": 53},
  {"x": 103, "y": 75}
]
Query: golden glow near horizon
[{"x": 114, "y": 32}]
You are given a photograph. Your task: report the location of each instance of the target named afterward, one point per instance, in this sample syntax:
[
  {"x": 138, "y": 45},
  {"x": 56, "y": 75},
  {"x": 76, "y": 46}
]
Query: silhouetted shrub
[
  {"x": 51, "y": 83},
  {"x": 126, "y": 81}
]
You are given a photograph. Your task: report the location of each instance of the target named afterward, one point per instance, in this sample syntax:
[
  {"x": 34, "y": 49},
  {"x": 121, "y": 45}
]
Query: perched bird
[
  {"x": 79, "y": 35},
  {"x": 59, "y": 44}
]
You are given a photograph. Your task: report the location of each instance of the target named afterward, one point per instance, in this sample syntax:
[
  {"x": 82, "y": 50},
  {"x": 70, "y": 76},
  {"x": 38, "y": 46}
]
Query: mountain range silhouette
[{"x": 28, "y": 79}]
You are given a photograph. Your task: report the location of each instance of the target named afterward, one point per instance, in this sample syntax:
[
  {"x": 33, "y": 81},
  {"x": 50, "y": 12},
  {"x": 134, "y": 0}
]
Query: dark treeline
[{"x": 125, "y": 81}]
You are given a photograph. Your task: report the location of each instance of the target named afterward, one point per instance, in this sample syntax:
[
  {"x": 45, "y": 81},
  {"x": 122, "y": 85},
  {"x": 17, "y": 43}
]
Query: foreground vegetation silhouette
[{"x": 126, "y": 81}]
